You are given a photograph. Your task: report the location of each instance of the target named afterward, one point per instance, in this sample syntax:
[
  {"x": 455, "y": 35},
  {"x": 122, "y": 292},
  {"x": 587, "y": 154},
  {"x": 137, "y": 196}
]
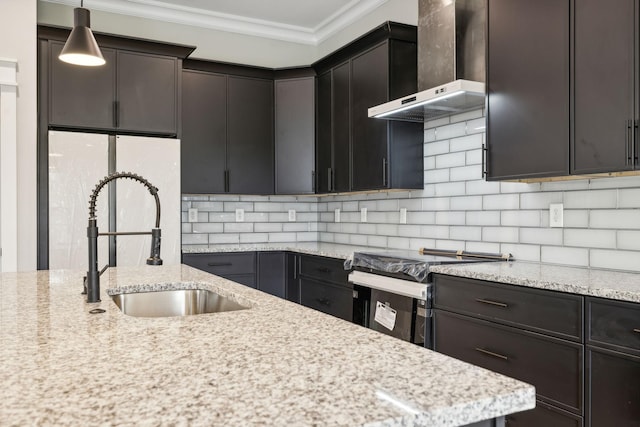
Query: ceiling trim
[{"x": 166, "y": 12}]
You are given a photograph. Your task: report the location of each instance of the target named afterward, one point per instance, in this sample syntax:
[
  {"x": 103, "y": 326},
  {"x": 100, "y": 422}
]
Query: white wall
[
  {"x": 231, "y": 47},
  {"x": 18, "y": 41}
]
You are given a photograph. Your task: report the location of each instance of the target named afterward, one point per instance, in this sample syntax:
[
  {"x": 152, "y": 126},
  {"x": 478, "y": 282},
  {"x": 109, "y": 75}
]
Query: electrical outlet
[
  {"x": 239, "y": 215},
  {"x": 363, "y": 215},
  {"x": 556, "y": 215},
  {"x": 292, "y": 215},
  {"x": 193, "y": 215},
  {"x": 336, "y": 215},
  {"x": 403, "y": 215}
]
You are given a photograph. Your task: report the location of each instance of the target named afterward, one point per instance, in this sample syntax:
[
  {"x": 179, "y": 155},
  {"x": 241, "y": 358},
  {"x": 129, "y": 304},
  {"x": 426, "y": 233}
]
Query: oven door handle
[{"x": 392, "y": 285}]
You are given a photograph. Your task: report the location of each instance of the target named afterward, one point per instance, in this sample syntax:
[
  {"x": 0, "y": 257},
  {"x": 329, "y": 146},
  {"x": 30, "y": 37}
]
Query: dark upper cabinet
[
  {"x": 605, "y": 89},
  {"x": 204, "y": 132},
  {"x": 295, "y": 135},
  {"x": 355, "y": 152},
  {"x": 227, "y": 134},
  {"x": 132, "y": 93},
  {"x": 250, "y": 148},
  {"x": 528, "y": 88},
  {"x": 82, "y": 96},
  {"x": 147, "y": 93}
]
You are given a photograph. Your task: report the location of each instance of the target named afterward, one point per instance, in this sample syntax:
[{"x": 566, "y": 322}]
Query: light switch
[
  {"x": 193, "y": 215},
  {"x": 239, "y": 215},
  {"x": 292, "y": 215}
]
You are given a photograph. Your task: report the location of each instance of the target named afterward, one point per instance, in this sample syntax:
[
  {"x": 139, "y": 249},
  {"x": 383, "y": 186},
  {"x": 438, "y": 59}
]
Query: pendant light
[{"x": 81, "y": 47}]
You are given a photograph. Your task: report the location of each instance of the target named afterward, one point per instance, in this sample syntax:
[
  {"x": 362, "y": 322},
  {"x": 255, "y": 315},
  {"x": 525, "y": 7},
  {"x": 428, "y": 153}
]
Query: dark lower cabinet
[
  {"x": 272, "y": 273},
  {"x": 292, "y": 282},
  {"x": 613, "y": 388},
  {"x": 543, "y": 415},
  {"x": 237, "y": 266}
]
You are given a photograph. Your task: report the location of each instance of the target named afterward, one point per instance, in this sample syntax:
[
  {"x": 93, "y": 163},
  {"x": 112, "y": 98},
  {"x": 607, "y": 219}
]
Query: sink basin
[{"x": 182, "y": 302}]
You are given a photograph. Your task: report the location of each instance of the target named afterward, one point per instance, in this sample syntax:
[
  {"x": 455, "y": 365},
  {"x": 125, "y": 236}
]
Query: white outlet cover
[
  {"x": 336, "y": 216},
  {"x": 292, "y": 215},
  {"x": 193, "y": 215},
  {"x": 363, "y": 214},
  {"x": 556, "y": 215},
  {"x": 403, "y": 215},
  {"x": 239, "y": 215}
]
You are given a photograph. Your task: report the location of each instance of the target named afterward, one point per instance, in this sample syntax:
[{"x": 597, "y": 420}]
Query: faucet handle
[{"x": 154, "y": 258}]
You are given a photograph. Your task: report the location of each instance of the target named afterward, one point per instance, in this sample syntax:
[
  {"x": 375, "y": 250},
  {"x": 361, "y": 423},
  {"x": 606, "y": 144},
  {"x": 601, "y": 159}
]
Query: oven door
[{"x": 397, "y": 307}]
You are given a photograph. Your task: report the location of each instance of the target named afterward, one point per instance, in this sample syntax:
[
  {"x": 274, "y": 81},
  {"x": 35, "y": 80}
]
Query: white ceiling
[{"x": 299, "y": 21}]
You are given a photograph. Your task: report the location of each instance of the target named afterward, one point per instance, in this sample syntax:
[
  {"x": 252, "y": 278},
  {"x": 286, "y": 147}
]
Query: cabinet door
[
  {"x": 613, "y": 388},
  {"x": 272, "y": 273},
  {"x": 323, "y": 133},
  {"x": 147, "y": 92},
  {"x": 604, "y": 85},
  {"x": 341, "y": 119},
  {"x": 293, "y": 282},
  {"x": 250, "y": 136},
  {"x": 370, "y": 81},
  {"x": 82, "y": 97},
  {"x": 204, "y": 132},
  {"x": 543, "y": 415},
  {"x": 528, "y": 88},
  {"x": 295, "y": 135}
]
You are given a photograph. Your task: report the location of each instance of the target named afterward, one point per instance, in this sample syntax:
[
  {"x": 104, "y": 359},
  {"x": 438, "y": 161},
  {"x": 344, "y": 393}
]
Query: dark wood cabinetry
[
  {"x": 237, "y": 266},
  {"x": 324, "y": 286},
  {"x": 529, "y": 334},
  {"x": 227, "y": 135},
  {"x": 295, "y": 135},
  {"x": 355, "y": 152},
  {"x": 272, "y": 273},
  {"x": 569, "y": 106},
  {"x": 528, "y": 88},
  {"x": 133, "y": 92},
  {"x": 613, "y": 363}
]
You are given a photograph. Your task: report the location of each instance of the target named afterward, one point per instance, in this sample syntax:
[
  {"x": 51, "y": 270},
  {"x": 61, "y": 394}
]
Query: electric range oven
[{"x": 395, "y": 289}]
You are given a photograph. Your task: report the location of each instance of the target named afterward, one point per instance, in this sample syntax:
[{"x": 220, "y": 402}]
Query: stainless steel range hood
[{"x": 451, "y": 62}]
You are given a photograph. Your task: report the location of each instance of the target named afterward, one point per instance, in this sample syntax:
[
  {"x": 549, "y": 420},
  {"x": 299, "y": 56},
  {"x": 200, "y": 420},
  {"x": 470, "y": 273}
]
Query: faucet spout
[{"x": 92, "y": 284}]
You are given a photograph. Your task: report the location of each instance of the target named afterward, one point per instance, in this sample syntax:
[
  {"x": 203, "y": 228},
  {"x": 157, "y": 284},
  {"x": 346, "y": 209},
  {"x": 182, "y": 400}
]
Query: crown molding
[{"x": 166, "y": 12}]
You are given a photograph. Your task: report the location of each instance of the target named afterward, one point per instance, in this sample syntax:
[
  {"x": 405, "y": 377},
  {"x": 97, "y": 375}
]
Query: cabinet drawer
[
  {"x": 243, "y": 279},
  {"x": 327, "y": 298},
  {"x": 554, "y": 313},
  {"x": 223, "y": 264},
  {"x": 553, "y": 366},
  {"x": 543, "y": 415},
  {"x": 614, "y": 324},
  {"x": 331, "y": 270}
]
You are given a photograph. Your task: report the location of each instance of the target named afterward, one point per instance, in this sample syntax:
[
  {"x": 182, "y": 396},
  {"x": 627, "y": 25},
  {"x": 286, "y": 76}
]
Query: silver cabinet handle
[
  {"x": 629, "y": 141},
  {"x": 484, "y": 161},
  {"x": 637, "y": 330},
  {"x": 486, "y": 301},
  {"x": 492, "y": 354},
  {"x": 384, "y": 172},
  {"x": 329, "y": 179}
]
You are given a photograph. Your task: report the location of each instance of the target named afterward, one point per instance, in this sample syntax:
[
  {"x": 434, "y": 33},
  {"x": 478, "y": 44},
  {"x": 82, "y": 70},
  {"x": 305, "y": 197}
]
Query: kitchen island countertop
[{"x": 276, "y": 363}]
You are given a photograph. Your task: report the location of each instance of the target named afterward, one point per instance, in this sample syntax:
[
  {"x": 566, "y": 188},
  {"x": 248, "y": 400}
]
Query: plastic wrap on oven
[{"x": 419, "y": 270}]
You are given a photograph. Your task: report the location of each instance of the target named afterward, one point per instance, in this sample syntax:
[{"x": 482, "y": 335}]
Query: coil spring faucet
[{"x": 92, "y": 280}]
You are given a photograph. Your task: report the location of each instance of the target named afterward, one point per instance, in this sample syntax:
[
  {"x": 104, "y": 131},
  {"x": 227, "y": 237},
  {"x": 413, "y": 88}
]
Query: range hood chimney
[{"x": 451, "y": 62}]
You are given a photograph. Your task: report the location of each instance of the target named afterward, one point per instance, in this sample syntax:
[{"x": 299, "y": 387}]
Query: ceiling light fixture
[{"x": 81, "y": 47}]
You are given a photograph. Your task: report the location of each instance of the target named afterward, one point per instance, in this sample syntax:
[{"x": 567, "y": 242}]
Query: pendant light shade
[{"x": 81, "y": 47}]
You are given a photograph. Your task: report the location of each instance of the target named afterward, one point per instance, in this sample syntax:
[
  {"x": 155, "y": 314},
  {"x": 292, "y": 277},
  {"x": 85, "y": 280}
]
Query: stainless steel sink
[{"x": 182, "y": 302}]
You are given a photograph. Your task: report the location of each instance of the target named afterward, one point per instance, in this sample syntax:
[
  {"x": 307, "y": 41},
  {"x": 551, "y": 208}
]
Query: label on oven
[{"x": 385, "y": 315}]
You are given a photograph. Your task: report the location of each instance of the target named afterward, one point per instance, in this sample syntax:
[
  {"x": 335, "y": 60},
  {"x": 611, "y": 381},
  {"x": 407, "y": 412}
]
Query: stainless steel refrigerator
[{"x": 77, "y": 162}]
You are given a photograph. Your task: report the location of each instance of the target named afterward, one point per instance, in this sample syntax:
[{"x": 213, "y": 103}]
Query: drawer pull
[
  {"x": 219, "y": 264},
  {"x": 324, "y": 270},
  {"x": 491, "y": 353},
  {"x": 486, "y": 301},
  {"x": 637, "y": 330}
]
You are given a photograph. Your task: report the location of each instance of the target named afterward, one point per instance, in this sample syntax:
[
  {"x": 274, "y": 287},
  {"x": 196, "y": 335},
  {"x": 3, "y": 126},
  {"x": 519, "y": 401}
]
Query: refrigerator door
[
  {"x": 157, "y": 160},
  {"x": 77, "y": 161}
]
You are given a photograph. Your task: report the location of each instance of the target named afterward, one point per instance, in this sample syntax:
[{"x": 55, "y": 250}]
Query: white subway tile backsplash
[
  {"x": 539, "y": 200},
  {"x": 358, "y": 239},
  {"x": 572, "y": 218},
  {"x": 450, "y": 160},
  {"x": 500, "y": 234},
  {"x": 541, "y": 236},
  {"x": 468, "y": 115},
  {"x": 572, "y": 184},
  {"x": 436, "y": 175},
  {"x": 411, "y": 204},
  {"x": 195, "y": 239},
  {"x": 207, "y": 227},
  {"x": 435, "y": 231},
  {"x": 269, "y": 207},
  {"x": 429, "y": 135},
  {"x": 238, "y": 227},
  {"x": 564, "y": 255},
  {"x": 223, "y": 239},
  {"x": 450, "y": 218},
  {"x": 628, "y": 239},
  {"x": 590, "y": 238},
  {"x": 451, "y": 131},
  {"x": 387, "y": 205},
  {"x": 408, "y": 230},
  {"x": 466, "y": 203},
  {"x": 450, "y": 189},
  {"x": 616, "y": 260},
  {"x": 594, "y": 199},
  {"x": 628, "y": 198},
  {"x": 386, "y": 230},
  {"x": 350, "y": 206},
  {"x": 232, "y": 206},
  {"x": 436, "y": 204},
  {"x": 520, "y": 218},
  {"x": 254, "y": 238},
  {"x": 442, "y": 121},
  {"x": 449, "y": 245},
  {"x": 220, "y": 217},
  {"x": 466, "y": 143},
  {"x": 377, "y": 241},
  {"x": 617, "y": 219},
  {"x": 282, "y": 237},
  {"x": 366, "y": 228},
  {"x": 483, "y": 218},
  {"x": 466, "y": 173},
  {"x": 474, "y": 157},
  {"x": 521, "y": 252},
  {"x": 482, "y": 187},
  {"x": 308, "y": 236},
  {"x": 617, "y": 182},
  {"x": 268, "y": 227},
  {"x": 209, "y": 206},
  {"x": 483, "y": 247},
  {"x": 398, "y": 242},
  {"x": 432, "y": 149},
  {"x": 518, "y": 187},
  {"x": 421, "y": 217},
  {"x": 465, "y": 233},
  {"x": 500, "y": 202}
]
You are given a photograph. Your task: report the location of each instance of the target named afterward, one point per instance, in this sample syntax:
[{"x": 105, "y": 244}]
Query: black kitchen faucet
[{"x": 92, "y": 280}]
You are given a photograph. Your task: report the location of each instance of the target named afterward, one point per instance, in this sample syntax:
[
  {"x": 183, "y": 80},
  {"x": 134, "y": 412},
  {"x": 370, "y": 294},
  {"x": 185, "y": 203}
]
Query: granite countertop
[
  {"x": 276, "y": 363},
  {"x": 624, "y": 286},
  {"x": 331, "y": 250}
]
